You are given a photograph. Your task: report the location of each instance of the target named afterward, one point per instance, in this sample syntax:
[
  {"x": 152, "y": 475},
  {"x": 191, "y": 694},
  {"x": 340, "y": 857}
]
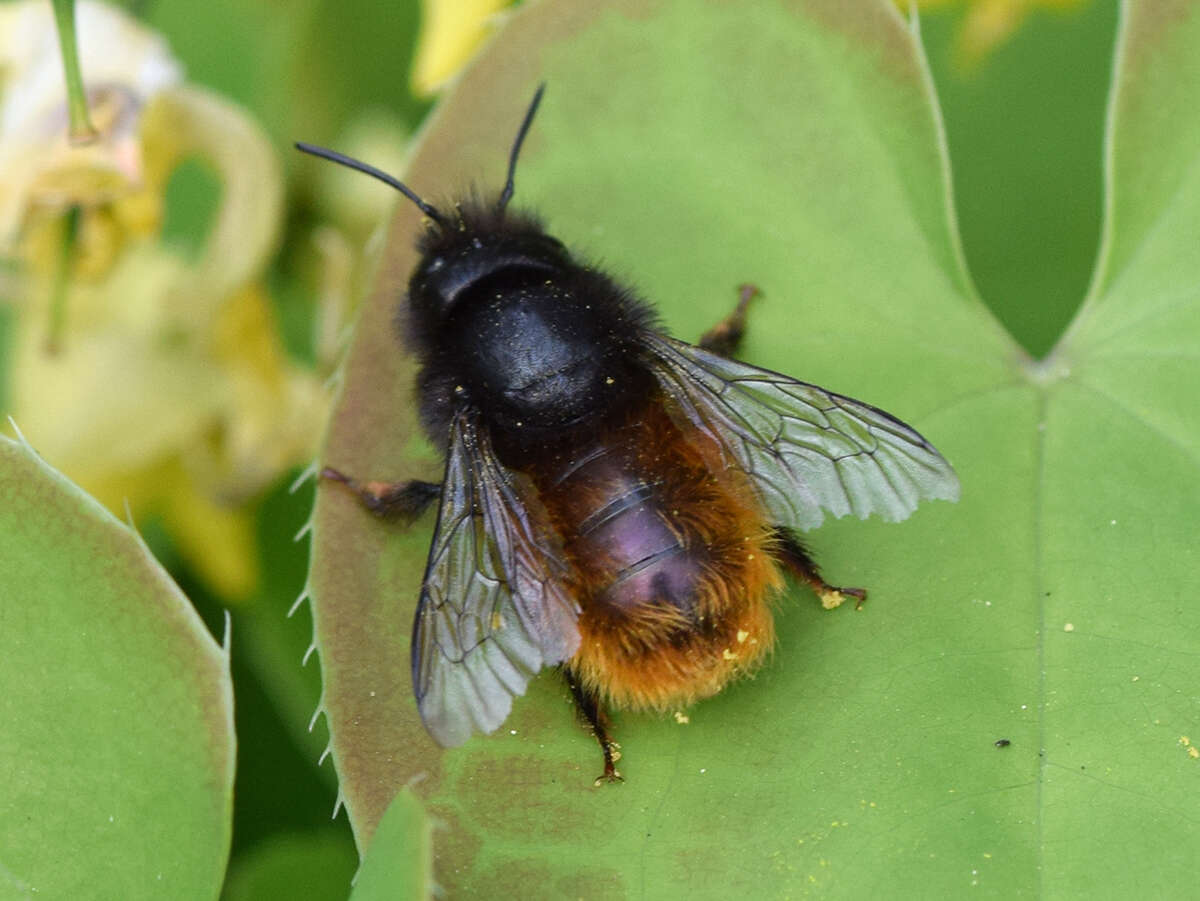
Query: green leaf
[
  {"x": 117, "y": 706},
  {"x": 693, "y": 146},
  {"x": 399, "y": 863},
  {"x": 323, "y": 863}
]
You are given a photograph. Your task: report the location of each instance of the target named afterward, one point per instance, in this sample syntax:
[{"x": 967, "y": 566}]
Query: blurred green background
[{"x": 1024, "y": 125}]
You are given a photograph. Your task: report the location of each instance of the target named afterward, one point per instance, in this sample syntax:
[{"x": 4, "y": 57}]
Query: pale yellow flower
[
  {"x": 346, "y": 199},
  {"x": 354, "y": 213},
  {"x": 145, "y": 375},
  {"x": 39, "y": 170},
  {"x": 451, "y": 32}
]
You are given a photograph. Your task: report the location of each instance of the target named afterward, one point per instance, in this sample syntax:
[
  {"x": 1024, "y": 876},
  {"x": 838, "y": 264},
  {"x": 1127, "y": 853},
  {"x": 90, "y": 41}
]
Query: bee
[{"x": 616, "y": 502}]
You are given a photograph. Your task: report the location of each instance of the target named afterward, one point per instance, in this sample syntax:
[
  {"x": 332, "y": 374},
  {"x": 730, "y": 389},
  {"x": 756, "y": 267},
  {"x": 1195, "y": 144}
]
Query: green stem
[
  {"x": 62, "y": 280},
  {"x": 81, "y": 126}
]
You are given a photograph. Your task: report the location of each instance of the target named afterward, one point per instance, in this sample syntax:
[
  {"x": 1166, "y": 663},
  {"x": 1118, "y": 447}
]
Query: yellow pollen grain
[
  {"x": 497, "y": 622},
  {"x": 1194, "y": 753},
  {"x": 742, "y": 636},
  {"x": 728, "y": 654},
  {"x": 609, "y": 380},
  {"x": 682, "y": 718}
]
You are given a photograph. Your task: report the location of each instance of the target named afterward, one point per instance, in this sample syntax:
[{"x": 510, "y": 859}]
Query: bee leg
[
  {"x": 589, "y": 706},
  {"x": 793, "y": 554},
  {"x": 724, "y": 337},
  {"x": 397, "y": 501}
]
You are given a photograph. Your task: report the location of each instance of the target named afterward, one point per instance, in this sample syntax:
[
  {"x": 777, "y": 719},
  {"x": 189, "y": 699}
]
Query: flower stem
[
  {"x": 62, "y": 280},
  {"x": 82, "y": 131}
]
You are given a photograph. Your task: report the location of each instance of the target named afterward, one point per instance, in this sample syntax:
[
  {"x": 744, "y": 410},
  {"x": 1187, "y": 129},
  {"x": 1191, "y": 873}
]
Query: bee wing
[
  {"x": 807, "y": 450},
  {"x": 493, "y": 610}
]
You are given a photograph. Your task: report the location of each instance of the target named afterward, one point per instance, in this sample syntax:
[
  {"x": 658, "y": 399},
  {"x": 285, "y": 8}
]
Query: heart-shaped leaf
[{"x": 1013, "y": 701}]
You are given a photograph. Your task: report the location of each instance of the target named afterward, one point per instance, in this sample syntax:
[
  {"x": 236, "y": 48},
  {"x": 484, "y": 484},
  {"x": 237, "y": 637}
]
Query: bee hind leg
[
  {"x": 396, "y": 501},
  {"x": 795, "y": 556},
  {"x": 588, "y": 705},
  {"x": 724, "y": 337}
]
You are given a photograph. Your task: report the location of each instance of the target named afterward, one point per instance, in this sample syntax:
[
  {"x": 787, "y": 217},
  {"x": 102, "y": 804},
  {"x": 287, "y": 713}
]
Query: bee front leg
[
  {"x": 402, "y": 501},
  {"x": 724, "y": 337},
  {"x": 795, "y": 556},
  {"x": 589, "y": 706}
]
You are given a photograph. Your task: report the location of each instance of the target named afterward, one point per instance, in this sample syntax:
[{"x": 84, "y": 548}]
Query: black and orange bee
[{"x": 615, "y": 501}]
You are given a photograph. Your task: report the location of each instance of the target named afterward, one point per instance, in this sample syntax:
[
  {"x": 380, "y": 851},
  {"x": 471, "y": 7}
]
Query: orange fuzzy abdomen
[{"x": 671, "y": 562}]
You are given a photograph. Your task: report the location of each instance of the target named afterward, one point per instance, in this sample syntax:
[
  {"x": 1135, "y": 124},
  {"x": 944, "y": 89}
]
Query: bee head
[
  {"x": 484, "y": 247},
  {"x": 478, "y": 242}
]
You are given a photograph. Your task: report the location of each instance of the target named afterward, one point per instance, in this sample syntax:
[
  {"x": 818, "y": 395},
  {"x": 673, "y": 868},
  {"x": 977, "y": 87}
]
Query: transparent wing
[
  {"x": 807, "y": 450},
  {"x": 493, "y": 610}
]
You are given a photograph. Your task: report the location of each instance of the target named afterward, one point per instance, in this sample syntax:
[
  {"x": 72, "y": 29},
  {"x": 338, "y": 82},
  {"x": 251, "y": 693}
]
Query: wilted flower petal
[
  {"x": 169, "y": 386},
  {"x": 124, "y": 64}
]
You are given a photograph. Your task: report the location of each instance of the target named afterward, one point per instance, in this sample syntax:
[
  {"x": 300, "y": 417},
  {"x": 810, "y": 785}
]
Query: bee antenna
[
  {"x": 507, "y": 193},
  {"x": 350, "y": 162}
]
